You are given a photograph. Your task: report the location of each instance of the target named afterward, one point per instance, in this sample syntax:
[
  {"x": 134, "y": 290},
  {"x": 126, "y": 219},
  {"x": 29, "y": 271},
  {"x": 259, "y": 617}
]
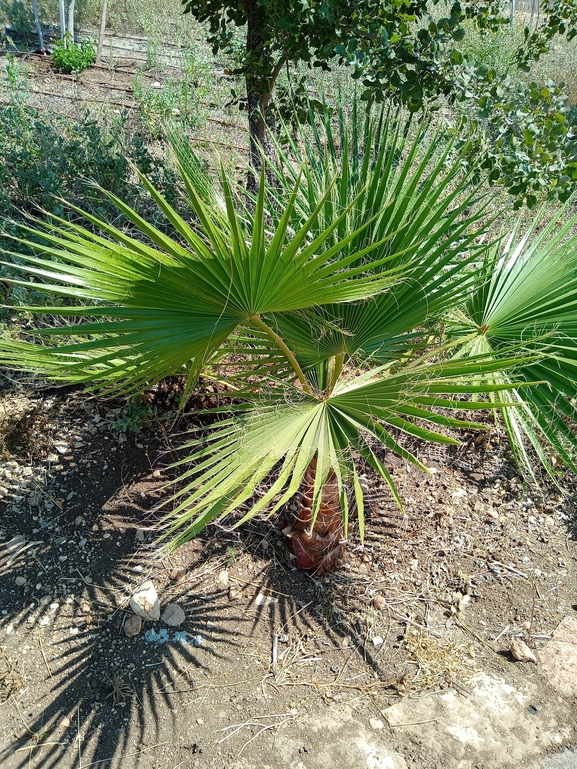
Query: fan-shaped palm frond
[{"x": 529, "y": 299}]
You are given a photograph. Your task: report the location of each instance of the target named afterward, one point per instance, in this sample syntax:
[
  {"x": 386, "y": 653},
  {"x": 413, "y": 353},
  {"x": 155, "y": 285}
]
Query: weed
[
  {"x": 133, "y": 419},
  {"x": 119, "y": 688},
  {"x": 179, "y": 99}
]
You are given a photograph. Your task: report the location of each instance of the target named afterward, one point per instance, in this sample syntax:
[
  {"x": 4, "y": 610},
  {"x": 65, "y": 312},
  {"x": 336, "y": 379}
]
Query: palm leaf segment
[{"x": 529, "y": 299}]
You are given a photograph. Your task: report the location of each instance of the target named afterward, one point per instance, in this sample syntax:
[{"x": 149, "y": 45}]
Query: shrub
[{"x": 69, "y": 57}]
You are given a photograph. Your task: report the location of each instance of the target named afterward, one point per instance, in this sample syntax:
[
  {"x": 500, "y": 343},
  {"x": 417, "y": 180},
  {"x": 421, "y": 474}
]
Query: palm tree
[{"x": 320, "y": 305}]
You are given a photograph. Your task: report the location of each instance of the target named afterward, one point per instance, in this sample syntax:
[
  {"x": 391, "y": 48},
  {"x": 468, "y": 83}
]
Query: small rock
[
  {"x": 234, "y": 594},
  {"x": 376, "y": 723},
  {"x": 379, "y": 602},
  {"x": 176, "y": 574},
  {"x": 64, "y": 722},
  {"x": 559, "y": 657},
  {"x": 106, "y": 535},
  {"x": 200, "y": 721},
  {"x": 464, "y": 602},
  {"x": 62, "y": 558},
  {"x": 20, "y": 581},
  {"x": 88, "y": 580},
  {"x": 140, "y": 535},
  {"x": 133, "y": 625},
  {"x": 157, "y": 474},
  {"x": 10, "y": 630},
  {"x": 144, "y": 601},
  {"x": 521, "y": 651},
  {"x": 377, "y": 640},
  {"x": 222, "y": 578},
  {"x": 79, "y": 520},
  {"x": 82, "y": 542},
  {"x": 156, "y": 84},
  {"x": 173, "y": 615},
  {"x": 45, "y": 620}
]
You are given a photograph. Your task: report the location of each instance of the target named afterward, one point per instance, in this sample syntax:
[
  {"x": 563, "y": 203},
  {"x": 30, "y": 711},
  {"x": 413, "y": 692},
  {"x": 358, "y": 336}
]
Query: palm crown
[{"x": 322, "y": 302}]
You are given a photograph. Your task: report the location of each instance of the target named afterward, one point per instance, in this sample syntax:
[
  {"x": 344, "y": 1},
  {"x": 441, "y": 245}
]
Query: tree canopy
[
  {"x": 406, "y": 47},
  {"x": 414, "y": 51}
]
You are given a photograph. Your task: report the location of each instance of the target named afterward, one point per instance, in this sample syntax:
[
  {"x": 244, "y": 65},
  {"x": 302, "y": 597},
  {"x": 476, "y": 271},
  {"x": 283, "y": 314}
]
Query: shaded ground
[{"x": 396, "y": 658}]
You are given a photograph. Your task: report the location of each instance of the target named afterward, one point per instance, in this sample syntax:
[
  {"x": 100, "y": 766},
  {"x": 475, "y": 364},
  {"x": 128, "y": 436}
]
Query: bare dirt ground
[{"x": 400, "y": 659}]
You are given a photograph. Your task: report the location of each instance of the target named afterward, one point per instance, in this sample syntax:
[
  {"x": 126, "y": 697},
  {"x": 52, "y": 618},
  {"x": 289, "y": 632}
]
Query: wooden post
[
  {"x": 101, "y": 34},
  {"x": 38, "y": 24}
]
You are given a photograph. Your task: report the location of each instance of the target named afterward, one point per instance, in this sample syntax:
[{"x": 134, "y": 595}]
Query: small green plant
[
  {"x": 133, "y": 419},
  {"x": 17, "y": 78},
  {"x": 69, "y": 57}
]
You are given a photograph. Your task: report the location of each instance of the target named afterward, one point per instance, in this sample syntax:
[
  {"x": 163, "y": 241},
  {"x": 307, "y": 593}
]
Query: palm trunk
[{"x": 319, "y": 548}]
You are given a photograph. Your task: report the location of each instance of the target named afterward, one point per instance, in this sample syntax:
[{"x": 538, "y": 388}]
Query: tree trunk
[
  {"x": 71, "y": 5},
  {"x": 319, "y": 548},
  {"x": 38, "y": 25},
  {"x": 62, "y": 19},
  {"x": 256, "y": 85},
  {"x": 101, "y": 34}
]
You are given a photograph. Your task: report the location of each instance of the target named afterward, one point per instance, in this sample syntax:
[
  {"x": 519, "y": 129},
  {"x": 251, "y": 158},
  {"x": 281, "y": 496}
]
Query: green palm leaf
[
  {"x": 529, "y": 299},
  {"x": 153, "y": 310},
  {"x": 227, "y": 466}
]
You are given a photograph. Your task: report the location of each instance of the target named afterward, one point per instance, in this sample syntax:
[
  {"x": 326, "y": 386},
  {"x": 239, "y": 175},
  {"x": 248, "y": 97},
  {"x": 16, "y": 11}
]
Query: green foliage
[
  {"x": 529, "y": 297},
  {"x": 522, "y": 138},
  {"x": 69, "y": 57},
  {"x": 133, "y": 418},
  {"x": 178, "y": 100},
  {"x": 412, "y": 53},
  {"x": 47, "y": 159},
  {"x": 19, "y": 16}
]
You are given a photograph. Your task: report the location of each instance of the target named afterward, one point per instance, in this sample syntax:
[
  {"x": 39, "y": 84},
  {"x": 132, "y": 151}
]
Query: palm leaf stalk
[{"x": 318, "y": 303}]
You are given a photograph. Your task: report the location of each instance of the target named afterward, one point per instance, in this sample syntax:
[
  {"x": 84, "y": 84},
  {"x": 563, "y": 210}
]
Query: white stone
[
  {"x": 521, "y": 651},
  {"x": 173, "y": 615},
  {"x": 144, "y": 601}
]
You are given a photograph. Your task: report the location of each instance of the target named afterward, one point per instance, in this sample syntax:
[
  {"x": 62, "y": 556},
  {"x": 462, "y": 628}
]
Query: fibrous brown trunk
[{"x": 319, "y": 548}]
